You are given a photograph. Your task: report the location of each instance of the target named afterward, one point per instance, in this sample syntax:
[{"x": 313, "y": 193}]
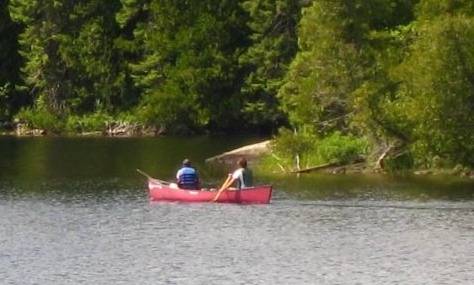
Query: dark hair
[
  {"x": 186, "y": 162},
  {"x": 242, "y": 162}
]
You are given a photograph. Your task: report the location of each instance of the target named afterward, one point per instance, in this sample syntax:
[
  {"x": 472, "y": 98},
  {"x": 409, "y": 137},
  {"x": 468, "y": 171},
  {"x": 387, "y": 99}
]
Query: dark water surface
[{"x": 74, "y": 211}]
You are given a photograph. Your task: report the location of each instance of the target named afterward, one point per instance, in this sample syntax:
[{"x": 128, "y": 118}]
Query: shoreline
[
  {"x": 111, "y": 131},
  {"x": 78, "y": 135},
  {"x": 255, "y": 152}
]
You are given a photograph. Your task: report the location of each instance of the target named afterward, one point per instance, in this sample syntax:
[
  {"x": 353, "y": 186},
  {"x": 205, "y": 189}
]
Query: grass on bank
[
  {"x": 291, "y": 151},
  {"x": 72, "y": 124}
]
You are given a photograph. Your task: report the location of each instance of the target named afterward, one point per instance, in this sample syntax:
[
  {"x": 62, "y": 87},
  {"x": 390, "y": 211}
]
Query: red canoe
[{"x": 254, "y": 195}]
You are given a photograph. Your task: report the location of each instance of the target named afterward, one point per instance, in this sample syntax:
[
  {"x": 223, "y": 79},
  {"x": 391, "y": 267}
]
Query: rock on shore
[{"x": 250, "y": 152}]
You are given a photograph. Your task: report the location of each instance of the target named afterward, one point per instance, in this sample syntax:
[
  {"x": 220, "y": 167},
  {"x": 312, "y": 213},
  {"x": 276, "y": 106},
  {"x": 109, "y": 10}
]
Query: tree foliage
[
  {"x": 396, "y": 72},
  {"x": 11, "y": 99},
  {"x": 437, "y": 92},
  {"x": 328, "y": 67},
  {"x": 273, "y": 45},
  {"x": 71, "y": 64},
  {"x": 188, "y": 54}
]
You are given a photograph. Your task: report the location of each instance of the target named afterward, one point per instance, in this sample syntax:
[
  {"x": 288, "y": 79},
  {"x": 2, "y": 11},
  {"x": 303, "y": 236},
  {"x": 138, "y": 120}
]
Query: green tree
[
  {"x": 45, "y": 71},
  {"x": 188, "y": 55},
  {"x": 273, "y": 45},
  {"x": 341, "y": 78},
  {"x": 377, "y": 111},
  {"x": 437, "y": 90},
  {"x": 11, "y": 99},
  {"x": 328, "y": 67},
  {"x": 72, "y": 63}
]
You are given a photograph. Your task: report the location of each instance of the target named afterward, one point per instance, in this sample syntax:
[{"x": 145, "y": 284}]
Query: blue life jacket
[{"x": 188, "y": 178}]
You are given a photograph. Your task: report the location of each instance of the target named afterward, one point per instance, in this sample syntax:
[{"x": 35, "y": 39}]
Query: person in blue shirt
[{"x": 187, "y": 176}]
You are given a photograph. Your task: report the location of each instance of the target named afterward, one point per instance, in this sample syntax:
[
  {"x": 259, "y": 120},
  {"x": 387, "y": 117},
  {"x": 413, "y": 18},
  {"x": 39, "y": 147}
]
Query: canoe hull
[{"x": 254, "y": 195}]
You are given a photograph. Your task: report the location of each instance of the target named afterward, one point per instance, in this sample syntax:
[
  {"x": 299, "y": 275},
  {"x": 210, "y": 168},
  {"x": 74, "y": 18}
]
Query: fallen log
[
  {"x": 316, "y": 168},
  {"x": 250, "y": 152},
  {"x": 337, "y": 167}
]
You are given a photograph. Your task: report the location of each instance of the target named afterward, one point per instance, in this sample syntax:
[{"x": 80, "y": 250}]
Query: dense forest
[{"x": 338, "y": 79}]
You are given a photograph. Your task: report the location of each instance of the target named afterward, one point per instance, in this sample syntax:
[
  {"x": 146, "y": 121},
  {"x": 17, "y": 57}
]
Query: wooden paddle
[
  {"x": 224, "y": 186},
  {"x": 153, "y": 179}
]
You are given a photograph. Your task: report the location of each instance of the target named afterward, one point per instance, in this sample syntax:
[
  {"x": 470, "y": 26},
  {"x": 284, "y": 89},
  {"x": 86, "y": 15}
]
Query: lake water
[{"x": 74, "y": 211}]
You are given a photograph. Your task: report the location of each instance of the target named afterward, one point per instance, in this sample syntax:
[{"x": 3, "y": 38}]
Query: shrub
[
  {"x": 288, "y": 145},
  {"x": 313, "y": 150},
  {"x": 88, "y": 123},
  {"x": 341, "y": 148},
  {"x": 41, "y": 119}
]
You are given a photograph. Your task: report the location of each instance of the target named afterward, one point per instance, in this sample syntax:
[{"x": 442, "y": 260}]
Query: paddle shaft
[
  {"x": 224, "y": 186},
  {"x": 151, "y": 178}
]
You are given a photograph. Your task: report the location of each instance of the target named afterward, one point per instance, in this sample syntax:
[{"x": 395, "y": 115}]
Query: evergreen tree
[
  {"x": 273, "y": 45},
  {"x": 72, "y": 64},
  {"x": 45, "y": 70},
  {"x": 329, "y": 66},
  {"x": 188, "y": 69},
  {"x": 11, "y": 99}
]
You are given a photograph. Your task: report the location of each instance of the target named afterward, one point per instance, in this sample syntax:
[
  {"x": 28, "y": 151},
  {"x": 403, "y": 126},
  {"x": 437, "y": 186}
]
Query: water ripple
[{"x": 288, "y": 242}]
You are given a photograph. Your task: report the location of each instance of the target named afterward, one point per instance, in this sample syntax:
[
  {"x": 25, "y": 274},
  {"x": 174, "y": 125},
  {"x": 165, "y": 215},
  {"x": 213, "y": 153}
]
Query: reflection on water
[
  {"x": 73, "y": 211},
  {"x": 376, "y": 187},
  {"x": 59, "y": 158}
]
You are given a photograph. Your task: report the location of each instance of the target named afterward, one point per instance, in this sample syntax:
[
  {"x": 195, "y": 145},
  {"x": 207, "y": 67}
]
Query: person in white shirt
[{"x": 242, "y": 175}]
